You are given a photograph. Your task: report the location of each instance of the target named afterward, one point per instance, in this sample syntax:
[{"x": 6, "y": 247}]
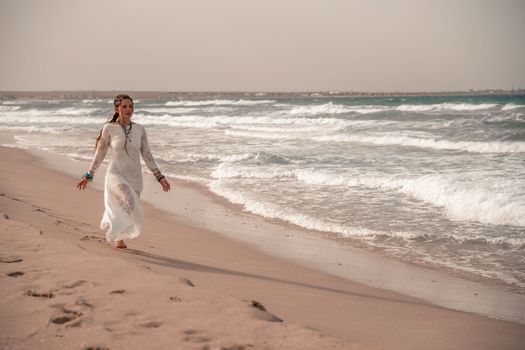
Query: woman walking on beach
[{"x": 123, "y": 214}]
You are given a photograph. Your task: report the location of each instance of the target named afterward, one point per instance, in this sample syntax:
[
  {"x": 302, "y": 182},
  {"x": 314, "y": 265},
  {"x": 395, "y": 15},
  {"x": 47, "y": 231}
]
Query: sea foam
[
  {"x": 445, "y": 107},
  {"x": 219, "y": 102},
  {"x": 467, "y": 146},
  {"x": 511, "y": 106},
  {"x": 199, "y": 121},
  {"x": 8, "y": 108},
  {"x": 269, "y": 210},
  {"x": 460, "y": 199}
]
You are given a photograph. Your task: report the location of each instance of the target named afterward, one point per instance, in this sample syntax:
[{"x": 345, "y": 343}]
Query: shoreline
[
  {"x": 202, "y": 208},
  {"x": 335, "y": 306}
]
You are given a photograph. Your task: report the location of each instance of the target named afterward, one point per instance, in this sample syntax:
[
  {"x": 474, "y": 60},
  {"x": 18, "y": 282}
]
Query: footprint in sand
[
  {"x": 151, "y": 324},
  {"x": 262, "y": 313},
  {"x": 90, "y": 237},
  {"x": 75, "y": 324},
  {"x": 11, "y": 259},
  {"x": 84, "y": 303},
  {"x": 15, "y": 274},
  {"x": 46, "y": 295},
  {"x": 74, "y": 284},
  {"x": 118, "y": 291},
  {"x": 192, "y": 336},
  {"x": 64, "y": 318},
  {"x": 66, "y": 315},
  {"x": 187, "y": 282},
  {"x": 258, "y": 305},
  {"x": 236, "y": 347}
]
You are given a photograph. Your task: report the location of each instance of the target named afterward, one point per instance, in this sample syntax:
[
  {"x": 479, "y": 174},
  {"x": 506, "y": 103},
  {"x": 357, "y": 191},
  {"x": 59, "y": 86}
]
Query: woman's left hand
[
  {"x": 81, "y": 185},
  {"x": 165, "y": 184}
]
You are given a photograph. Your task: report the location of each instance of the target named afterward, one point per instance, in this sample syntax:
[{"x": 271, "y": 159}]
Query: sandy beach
[
  {"x": 242, "y": 175},
  {"x": 179, "y": 286}
]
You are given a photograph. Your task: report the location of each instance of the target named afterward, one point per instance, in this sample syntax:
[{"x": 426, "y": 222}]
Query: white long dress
[{"x": 123, "y": 215}]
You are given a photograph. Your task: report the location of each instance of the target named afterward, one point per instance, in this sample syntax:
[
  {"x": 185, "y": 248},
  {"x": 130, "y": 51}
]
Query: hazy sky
[{"x": 285, "y": 45}]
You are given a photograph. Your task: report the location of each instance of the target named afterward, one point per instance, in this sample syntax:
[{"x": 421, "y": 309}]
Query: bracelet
[
  {"x": 88, "y": 175},
  {"x": 158, "y": 175}
]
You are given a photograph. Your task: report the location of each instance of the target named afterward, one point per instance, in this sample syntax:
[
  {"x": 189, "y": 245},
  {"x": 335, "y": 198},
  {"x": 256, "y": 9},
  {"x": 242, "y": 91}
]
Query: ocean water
[{"x": 434, "y": 180}]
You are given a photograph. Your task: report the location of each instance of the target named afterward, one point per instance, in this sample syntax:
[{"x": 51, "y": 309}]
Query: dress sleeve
[
  {"x": 146, "y": 153},
  {"x": 102, "y": 149}
]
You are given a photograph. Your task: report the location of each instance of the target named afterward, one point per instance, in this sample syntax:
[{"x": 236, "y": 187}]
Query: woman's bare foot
[{"x": 120, "y": 244}]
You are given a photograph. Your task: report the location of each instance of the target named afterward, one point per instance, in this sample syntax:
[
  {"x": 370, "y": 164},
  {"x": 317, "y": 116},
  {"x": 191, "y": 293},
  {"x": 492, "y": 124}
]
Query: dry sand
[{"x": 182, "y": 287}]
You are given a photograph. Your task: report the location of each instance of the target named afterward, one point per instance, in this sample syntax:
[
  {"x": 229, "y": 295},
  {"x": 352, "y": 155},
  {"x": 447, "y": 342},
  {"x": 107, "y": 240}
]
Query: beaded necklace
[{"x": 127, "y": 131}]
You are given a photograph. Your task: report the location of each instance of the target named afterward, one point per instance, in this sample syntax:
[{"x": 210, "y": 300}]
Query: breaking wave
[
  {"x": 219, "y": 103},
  {"x": 440, "y": 107},
  {"x": 461, "y": 200},
  {"x": 511, "y": 106},
  {"x": 466, "y": 146}
]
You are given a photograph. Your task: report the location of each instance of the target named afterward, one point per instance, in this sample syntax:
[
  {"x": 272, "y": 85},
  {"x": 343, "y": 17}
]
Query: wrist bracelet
[
  {"x": 88, "y": 175},
  {"x": 158, "y": 175}
]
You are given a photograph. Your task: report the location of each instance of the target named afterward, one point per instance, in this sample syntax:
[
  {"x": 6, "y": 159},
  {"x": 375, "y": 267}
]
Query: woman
[{"x": 123, "y": 215}]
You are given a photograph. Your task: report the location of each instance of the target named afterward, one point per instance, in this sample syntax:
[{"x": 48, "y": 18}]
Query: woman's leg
[
  {"x": 121, "y": 194},
  {"x": 123, "y": 215}
]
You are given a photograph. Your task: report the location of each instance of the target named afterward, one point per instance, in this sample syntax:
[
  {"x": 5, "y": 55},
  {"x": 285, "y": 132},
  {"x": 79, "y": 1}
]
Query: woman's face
[{"x": 125, "y": 109}]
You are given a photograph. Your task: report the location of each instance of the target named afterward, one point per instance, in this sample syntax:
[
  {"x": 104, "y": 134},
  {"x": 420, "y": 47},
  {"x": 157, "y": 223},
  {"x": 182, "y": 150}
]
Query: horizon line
[{"x": 279, "y": 92}]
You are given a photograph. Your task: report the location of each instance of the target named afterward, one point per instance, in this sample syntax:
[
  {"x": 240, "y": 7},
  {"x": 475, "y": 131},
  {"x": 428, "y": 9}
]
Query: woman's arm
[
  {"x": 100, "y": 154},
  {"x": 150, "y": 161},
  {"x": 101, "y": 151}
]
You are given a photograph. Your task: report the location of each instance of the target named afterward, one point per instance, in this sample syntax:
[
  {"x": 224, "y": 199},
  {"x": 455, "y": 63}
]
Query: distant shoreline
[{"x": 88, "y": 94}]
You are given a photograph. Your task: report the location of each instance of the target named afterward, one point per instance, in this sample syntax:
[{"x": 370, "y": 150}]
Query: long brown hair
[{"x": 116, "y": 102}]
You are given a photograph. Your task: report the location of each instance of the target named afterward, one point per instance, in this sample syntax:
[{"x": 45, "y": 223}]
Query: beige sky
[{"x": 286, "y": 45}]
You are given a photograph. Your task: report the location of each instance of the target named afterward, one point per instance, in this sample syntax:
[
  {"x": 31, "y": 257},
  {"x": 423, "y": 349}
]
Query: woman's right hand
[{"x": 81, "y": 185}]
